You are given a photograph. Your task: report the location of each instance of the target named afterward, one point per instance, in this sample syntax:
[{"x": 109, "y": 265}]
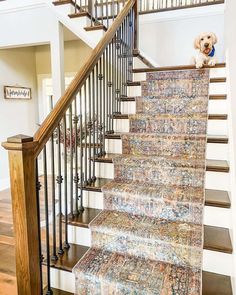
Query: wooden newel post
[
  {"x": 136, "y": 25},
  {"x": 24, "y": 206}
]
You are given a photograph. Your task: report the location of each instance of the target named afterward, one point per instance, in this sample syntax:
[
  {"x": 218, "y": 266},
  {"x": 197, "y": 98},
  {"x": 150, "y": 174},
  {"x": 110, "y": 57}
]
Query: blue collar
[{"x": 212, "y": 53}]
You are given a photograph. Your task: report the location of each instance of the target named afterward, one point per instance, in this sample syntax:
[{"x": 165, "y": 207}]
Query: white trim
[
  {"x": 16, "y": 6},
  {"x": 4, "y": 183},
  {"x": 187, "y": 13}
]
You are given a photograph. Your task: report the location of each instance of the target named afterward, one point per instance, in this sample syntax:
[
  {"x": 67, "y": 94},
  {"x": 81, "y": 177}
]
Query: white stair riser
[
  {"x": 215, "y": 88},
  {"x": 63, "y": 280},
  {"x": 65, "y": 9},
  {"x": 81, "y": 21},
  {"x": 214, "y": 73}
]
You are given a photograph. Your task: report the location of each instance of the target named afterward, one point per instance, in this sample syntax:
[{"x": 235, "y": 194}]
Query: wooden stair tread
[
  {"x": 58, "y": 292},
  {"x": 217, "y": 166},
  {"x": 210, "y": 116},
  {"x": 62, "y": 2},
  {"x": 221, "y": 139},
  {"x": 215, "y": 198},
  {"x": 96, "y": 27},
  {"x": 212, "y": 80},
  {"x": 69, "y": 259},
  {"x": 216, "y": 284},
  {"x": 84, "y": 218},
  {"x": 211, "y": 165},
  {"x": 217, "y": 239},
  {"x": 79, "y": 14},
  {"x": 174, "y": 68}
]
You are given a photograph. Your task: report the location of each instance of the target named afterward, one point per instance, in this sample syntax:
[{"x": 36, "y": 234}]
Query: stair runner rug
[{"x": 149, "y": 238}]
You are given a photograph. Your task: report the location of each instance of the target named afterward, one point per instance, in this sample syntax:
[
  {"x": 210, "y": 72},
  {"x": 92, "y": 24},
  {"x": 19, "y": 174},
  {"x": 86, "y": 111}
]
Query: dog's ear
[
  {"x": 197, "y": 43},
  {"x": 214, "y": 38}
]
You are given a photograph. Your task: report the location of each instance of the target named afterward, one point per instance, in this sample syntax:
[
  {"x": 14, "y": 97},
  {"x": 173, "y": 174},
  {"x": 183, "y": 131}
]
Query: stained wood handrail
[{"x": 52, "y": 120}]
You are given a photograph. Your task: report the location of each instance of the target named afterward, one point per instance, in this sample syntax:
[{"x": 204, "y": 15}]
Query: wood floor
[{"x": 7, "y": 251}]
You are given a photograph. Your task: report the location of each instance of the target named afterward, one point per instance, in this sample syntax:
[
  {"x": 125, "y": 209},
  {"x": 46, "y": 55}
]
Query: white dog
[{"x": 206, "y": 56}]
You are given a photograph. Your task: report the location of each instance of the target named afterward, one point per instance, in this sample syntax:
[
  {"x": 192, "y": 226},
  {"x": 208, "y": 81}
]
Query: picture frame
[{"x": 17, "y": 92}]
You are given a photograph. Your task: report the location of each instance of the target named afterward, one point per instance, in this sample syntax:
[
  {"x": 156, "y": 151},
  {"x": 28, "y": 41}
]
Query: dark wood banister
[{"x": 52, "y": 120}]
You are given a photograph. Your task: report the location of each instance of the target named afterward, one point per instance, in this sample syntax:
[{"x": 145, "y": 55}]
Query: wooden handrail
[{"x": 52, "y": 120}]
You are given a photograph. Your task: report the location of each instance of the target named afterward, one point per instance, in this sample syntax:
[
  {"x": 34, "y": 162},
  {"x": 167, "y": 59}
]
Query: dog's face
[{"x": 204, "y": 42}]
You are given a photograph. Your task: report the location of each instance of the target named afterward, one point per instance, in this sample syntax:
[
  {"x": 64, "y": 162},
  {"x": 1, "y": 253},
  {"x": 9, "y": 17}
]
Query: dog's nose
[{"x": 206, "y": 45}]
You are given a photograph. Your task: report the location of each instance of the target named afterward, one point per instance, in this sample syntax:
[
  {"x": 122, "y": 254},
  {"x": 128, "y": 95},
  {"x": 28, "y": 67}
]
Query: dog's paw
[
  {"x": 199, "y": 65},
  {"x": 212, "y": 63}
]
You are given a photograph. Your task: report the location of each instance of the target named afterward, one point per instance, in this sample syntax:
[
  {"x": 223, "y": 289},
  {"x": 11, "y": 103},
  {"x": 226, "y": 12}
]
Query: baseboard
[{"x": 4, "y": 183}]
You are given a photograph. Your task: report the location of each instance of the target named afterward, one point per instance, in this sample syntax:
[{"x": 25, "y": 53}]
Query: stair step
[
  {"x": 84, "y": 218},
  {"x": 211, "y": 165},
  {"x": 212, "y": 283},
  {"x": 217, "y": 239},
  {"x": 95, "y": 28},
  {"x": 211, "y": 97},
  {"x": 59, "y": 292},
  {"x": 210, "y": 116},
  {"x": 217, "y": 166},
  {"x": 212, "y": 80},
  {"x": 215, "y": 198},
  {"x": 173, "y": 68},
  {"x": 79, "y": 14},
  {"x": 221, "y": 139},
  {"x": 218, "y": 80},
  {"x": 62, "y": 2}
]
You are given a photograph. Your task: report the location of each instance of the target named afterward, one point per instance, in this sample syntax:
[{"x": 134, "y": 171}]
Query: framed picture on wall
[{"x": 16, "y": 92}]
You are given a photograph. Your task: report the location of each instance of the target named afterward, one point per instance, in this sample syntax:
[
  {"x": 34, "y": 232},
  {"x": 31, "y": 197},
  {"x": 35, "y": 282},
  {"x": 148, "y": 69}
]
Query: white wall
[
  {"x": 17, "y": 67},
  {"x": 168, "y": 37},
  {"x": 230, "y": 37}
]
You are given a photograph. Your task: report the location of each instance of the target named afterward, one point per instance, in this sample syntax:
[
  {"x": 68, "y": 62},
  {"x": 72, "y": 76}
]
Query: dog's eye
[
  {"x": 202, "y": 39},
  {"x": 209, "y": 37}
]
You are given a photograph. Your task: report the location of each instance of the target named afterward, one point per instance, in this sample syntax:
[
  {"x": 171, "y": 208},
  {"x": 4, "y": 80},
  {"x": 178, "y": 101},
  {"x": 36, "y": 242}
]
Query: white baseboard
[{"x": 4, "y": 183}]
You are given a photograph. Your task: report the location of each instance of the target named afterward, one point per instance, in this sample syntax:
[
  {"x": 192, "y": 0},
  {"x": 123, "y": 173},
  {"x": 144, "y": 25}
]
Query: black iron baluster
[
  {"x": 107, "y": 13},
  {"x": 59, "y": 183},
  {"x": 66, "y": 139},
  {"x": 110, "y": 128},
  {"x": 107, "y": 90},
  {"x": 104, "y": 102},
  {"x": 71, "y": 161},
  {"x": 94, "y": 122},
  {"x": 100, "y": 108},
  {"x": 97, "y": 108},
  {"x": 89, "y": 130},
  {"x": 38, "y": 187},
  {"x": 81, "y": 208},
  {"x": 76, "y": 175},
  {"x": 101, "y": 5},
  {"x": 49, "y": 290},
  {"x": 54, "y": 251},
  {"x": 85, "y": 136}
]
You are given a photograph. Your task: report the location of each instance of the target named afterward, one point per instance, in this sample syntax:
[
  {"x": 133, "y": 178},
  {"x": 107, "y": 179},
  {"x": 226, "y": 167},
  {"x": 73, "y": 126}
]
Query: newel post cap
[{"x": 19, "y": 142}]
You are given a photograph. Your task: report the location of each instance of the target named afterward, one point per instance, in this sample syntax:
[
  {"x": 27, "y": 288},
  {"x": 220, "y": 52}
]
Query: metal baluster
[
  {"x": 100, "y": 107},
  {"x": 107, "y": 90},
  {"x": 76, "y": 174},
  {"x": 97, "y": 108},
  {"x": 117, "y": 74},
  {"x": 54, "y": 252},
  {"x": 109, "y": 104},
  {"x": 81, "y": 208},
  {"x": 38, "y": 187},
  {"x": 101, "y": 5},
  {"x": 71, "y": 161},
  {"x": 107, "y": 13},
  {"x": 49, "y": 290},
  {"x": 113, "y": 76},
  {"x": 94, "y": 122},
  {"x": 96, "y": 12},
  {"x": 59, "y": 183},
  {"x": 113, "y": 10},
  {"x": 90, "y": 125},
  {"x": 85, "y": 136},
  {"x": 66, "y": 244},
  {"x": 104, "y": 102}
]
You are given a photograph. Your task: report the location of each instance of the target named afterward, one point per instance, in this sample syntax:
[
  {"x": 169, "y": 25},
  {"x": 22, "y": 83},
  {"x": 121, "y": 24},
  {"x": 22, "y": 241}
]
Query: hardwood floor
[{"x": 7, "y": 251}]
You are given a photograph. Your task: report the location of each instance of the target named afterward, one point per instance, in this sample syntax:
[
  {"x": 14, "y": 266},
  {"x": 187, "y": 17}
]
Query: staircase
[{"x": 87, "y": 155}]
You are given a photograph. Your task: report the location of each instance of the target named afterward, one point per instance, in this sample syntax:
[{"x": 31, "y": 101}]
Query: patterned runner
[{"x": 149, "y": 238}]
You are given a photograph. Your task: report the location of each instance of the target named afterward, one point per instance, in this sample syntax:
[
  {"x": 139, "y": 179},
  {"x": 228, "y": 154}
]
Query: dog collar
[{"x": 212, "y": 53}]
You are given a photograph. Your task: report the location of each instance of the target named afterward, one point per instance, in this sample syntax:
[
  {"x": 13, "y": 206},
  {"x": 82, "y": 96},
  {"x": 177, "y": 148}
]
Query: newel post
[
  {"x": 136, "y": 25},
  {"x": 24, "y": 208}
]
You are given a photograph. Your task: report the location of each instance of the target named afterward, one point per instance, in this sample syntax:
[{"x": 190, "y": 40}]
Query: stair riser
[
  {"x": 215, "y": 88},
  {"x": 168, "y": 126},
  {"x": 165, "y": 146},
  {"x": 152, "y": 207},
  {"x": 158, "y": 176},
  {"x": 65, "y": 9},
  {"x": 82, "y": 22},
  {"x": 147, "y": 248}
]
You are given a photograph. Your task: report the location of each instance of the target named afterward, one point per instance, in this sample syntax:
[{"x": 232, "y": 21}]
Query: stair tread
[
  {"x": 210, "y": 138},
  {"x": 127, "y": 116},
  {"x": 212, "y": 80},
  {"x": 215, "y": 238},
  {"x": 211, "y": 97},
  {"x": 213, "y": 284},
  {"x": 211, "y": 165},
  {"x": 173, "y": 68},
  {"x": 96, "y": 27},
  {"x": 214, "y": 198},
  {"x": 58, "y": 292},
  {"x": 84, "y": 218}
]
